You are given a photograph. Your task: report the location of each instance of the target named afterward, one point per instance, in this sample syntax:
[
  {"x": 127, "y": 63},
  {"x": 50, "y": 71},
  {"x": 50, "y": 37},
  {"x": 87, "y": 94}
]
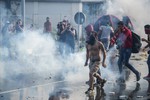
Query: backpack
[{"x": 136, "y": 43}]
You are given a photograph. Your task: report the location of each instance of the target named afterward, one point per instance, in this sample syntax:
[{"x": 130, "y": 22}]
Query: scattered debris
[
  {"x": 110, "y": 82},
  {"x": 143, "y": 54},
  {"x": 137, "y": 59},
  {"x": 139, "y": 96},
  {"x": 48, "y": 78},
  {"x": 123, "y": 97},
  {"x": 133, "y": 56},
  {"x": 65, "y": 95},
  {"x": 112, "y": 93}
]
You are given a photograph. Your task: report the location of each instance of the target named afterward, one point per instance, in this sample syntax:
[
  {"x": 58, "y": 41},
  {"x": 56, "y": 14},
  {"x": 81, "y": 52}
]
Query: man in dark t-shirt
[{"x": 47, "y": 26}]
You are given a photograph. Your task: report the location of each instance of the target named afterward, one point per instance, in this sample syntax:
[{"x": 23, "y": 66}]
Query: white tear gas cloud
[
  {"x": 137, "y": 10},
  {"x": 37, "y": 53},
  {"x": 34, "y": 57}
]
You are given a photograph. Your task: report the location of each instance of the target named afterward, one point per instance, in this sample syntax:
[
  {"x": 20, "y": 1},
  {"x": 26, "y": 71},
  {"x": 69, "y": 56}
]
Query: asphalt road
[{"x": 33, "y": 87}]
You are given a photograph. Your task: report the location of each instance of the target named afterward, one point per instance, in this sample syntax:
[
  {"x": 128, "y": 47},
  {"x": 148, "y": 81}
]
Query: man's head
[
  {"x": 89, "y": 28},
  {"x": 60, "y": 26},
  {"x": 19, "y": 22},
  {"x": 47, "y": 18},
  {"x": 147, "y": 29},
  {"x": 120, "y": 25},
  {"x": 92, "y": 38}
]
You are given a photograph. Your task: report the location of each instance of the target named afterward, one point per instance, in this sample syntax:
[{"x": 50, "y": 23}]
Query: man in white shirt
[{"x": 104, "y": 34}]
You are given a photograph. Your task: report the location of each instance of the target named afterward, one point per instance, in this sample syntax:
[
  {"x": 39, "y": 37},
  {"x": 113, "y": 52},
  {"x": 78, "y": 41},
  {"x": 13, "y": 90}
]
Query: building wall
[{"x": 36, "y": 12}]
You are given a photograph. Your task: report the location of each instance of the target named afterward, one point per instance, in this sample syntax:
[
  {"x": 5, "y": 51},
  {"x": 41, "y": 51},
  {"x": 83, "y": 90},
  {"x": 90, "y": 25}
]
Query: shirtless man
[{"x": 93, "y": 51}]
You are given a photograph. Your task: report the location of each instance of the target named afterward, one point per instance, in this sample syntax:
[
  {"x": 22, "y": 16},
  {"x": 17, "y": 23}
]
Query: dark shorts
[{"x": 94, "y": 66}]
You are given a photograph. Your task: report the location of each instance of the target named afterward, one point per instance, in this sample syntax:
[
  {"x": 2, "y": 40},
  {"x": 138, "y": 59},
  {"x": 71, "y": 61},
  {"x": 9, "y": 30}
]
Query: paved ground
[{"x": 33, "y": 87}]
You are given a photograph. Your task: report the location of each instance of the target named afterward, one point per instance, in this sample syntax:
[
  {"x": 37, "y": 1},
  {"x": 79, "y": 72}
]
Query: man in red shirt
[
  {"x": 47, "y": 26},
  {"x": 124, "y": 42}
]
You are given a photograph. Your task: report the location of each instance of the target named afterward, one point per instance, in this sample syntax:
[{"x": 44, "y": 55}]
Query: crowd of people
[
  {"x": 66, "y": 34},
  {"x": 96, "y": 43},
  {"x": 9, "y": 29},
  {"x": 102, "y": 41},
  {"x": 67, "y": 37}
]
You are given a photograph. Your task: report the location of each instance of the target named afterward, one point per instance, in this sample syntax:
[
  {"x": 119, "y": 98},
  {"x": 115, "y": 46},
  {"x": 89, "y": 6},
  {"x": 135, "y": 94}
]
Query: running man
[
  {"x": 124, "y": 39},
  {"x": 93, "y": 51}
]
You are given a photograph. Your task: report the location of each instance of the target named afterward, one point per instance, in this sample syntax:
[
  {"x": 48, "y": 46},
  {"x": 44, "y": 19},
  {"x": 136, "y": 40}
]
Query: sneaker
[
  {"x": 89, "y": 91},
  {"x": 147, "y": 77},
  {"x": 138, "y": 76},
  {"x": 98, "y": 81},
  {"x": 103, "y": 82}
]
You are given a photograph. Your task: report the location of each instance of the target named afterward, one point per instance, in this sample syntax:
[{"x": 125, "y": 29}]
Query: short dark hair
[
  {"x": 147, "y": 26},
  {"x": 47, "y": 18},
  {"x": 120, "y": 23}
]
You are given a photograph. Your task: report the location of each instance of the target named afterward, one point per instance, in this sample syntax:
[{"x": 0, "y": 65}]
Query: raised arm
[
  {"x": 143, "y": 39},
  {"x": 146, "y": 40}
]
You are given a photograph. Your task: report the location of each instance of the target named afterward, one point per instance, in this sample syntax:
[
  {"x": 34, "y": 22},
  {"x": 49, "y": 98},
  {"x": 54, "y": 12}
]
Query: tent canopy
[
  {"x": 103, "y": 20},
  {"x": 112, "y": 20}
]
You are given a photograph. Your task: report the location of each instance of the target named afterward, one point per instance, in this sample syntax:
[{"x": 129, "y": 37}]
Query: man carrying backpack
[{"x": 124, "y": 39}]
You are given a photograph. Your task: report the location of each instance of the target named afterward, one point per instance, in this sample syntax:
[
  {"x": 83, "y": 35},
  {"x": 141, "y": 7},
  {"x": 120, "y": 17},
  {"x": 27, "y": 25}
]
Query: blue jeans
[
  {"x": 106, "y": 43},
  {"x": 124, "y": 56}
]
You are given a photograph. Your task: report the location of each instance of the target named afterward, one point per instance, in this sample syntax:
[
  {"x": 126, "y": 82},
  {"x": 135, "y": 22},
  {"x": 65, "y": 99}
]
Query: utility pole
[{"x": 23, "y": 12}]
